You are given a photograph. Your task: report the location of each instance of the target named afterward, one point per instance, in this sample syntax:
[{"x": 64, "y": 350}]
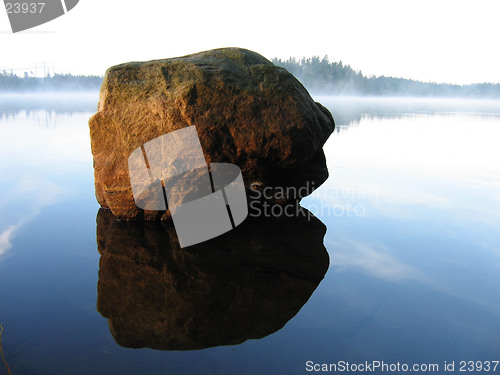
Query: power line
[{"x": 40, "y": 69}]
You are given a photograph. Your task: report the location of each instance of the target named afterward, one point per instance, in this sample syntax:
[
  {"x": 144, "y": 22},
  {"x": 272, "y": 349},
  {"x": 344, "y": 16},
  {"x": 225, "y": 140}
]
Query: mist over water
[
  {"x": 12, "y": 104},
  {"x": 350, "y": 109}
]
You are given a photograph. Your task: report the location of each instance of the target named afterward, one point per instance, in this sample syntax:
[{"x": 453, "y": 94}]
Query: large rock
[{"x": 246, "y": 110}]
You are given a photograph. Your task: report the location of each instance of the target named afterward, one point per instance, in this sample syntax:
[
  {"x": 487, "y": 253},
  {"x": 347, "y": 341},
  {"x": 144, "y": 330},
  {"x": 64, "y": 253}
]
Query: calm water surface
[{"x": 412, "y": 216}]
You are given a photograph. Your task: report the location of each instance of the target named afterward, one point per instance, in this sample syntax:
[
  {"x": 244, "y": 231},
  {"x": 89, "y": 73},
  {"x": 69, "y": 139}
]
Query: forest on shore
[
  {"x": 321, "y": 76},
  {"x": 318, "y": 75},
  {"x": 12, "y": 83}
]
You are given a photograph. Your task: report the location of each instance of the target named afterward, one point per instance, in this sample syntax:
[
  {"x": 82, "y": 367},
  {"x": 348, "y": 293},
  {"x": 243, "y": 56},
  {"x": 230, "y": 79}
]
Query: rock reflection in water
[{"x": 245, "y": 284}]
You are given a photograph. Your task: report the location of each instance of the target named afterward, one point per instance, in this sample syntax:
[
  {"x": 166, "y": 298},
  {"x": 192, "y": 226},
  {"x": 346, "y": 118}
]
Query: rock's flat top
[{"x": 246, "y": 110}]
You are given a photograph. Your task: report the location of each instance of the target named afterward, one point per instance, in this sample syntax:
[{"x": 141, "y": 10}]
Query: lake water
[{"x": 412, "y": 218}]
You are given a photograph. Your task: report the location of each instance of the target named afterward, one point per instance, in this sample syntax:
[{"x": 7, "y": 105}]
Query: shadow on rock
[{"x": 245, "y": 284}]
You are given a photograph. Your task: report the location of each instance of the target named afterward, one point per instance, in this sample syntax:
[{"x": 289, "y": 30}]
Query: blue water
[{"x": 412, "y": 216}]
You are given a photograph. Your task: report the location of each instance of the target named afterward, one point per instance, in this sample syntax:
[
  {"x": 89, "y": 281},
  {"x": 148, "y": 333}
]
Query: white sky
[{"x": 437, "y": 40}]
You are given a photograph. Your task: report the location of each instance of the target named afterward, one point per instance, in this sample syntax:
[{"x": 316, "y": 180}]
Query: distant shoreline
[
  {"x": 319, "y": 76},
  {"x": 12, "y": 83},
  {"x": 334, "y": 78}
]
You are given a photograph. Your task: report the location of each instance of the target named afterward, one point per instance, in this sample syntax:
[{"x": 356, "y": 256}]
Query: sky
[{"x": 429, "y": 40}]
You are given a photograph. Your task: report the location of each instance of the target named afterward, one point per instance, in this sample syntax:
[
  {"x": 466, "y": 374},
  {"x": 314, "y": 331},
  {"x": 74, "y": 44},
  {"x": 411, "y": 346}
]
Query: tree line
[
  {"x": 321, "y": 76},
  {"x": 13, "y": 83}
]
